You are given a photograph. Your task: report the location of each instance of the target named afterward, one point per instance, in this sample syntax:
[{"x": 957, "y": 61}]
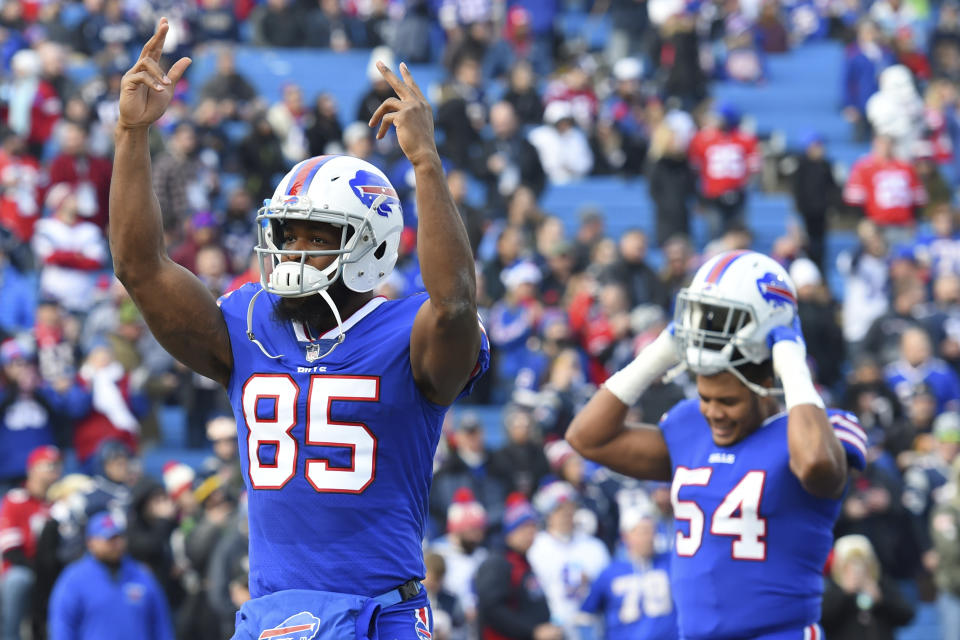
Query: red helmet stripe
[
  {"x": 722, "y": 265},
  {"x": 308, "y": 168}
]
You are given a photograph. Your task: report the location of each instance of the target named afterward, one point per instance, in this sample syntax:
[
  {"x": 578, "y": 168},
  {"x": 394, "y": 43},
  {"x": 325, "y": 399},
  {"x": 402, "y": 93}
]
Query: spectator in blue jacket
[
  {"x": 917, "y": 365},
  {"x": 32, "y": 412},
  {"x": 106, "y": 594}
]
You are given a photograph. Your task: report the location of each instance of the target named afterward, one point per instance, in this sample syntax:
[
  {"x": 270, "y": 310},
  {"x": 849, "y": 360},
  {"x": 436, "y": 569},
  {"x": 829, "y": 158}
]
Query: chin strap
[
  {"x": 764, "y": 392},
  {"x": 252, "y": 338},
  {"x": 341, "y": 334}
]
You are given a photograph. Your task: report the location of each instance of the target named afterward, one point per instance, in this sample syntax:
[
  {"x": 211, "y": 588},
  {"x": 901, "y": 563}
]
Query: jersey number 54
[{"x": 748, "y": 528}]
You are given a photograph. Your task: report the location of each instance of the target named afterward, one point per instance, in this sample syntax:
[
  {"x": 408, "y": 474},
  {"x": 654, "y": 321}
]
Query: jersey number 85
[{"x": 280, "y": 391}]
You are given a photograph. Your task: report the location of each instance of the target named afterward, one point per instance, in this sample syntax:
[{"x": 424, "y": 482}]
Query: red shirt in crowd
[
  {"x": 85, "y": 172},
  {"x": 20, "y": 177},
  {"x": 725, "y": 160},
  {"x": 21, "y": 518},
  {"x": 888, "y": 190}
]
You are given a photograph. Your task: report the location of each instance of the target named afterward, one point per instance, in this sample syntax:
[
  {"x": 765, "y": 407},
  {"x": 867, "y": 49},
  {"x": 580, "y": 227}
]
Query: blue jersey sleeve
[
  {"x": 483, "y": 363},
  {"x": 851, "y": 435}
]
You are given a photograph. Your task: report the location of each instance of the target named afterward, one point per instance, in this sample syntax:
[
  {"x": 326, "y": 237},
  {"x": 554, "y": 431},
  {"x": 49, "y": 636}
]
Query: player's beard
[{"x": 313, "y": 310}]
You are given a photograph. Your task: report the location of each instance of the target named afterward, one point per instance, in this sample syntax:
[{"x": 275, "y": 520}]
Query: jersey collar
[{"x": 305, "y": 333}]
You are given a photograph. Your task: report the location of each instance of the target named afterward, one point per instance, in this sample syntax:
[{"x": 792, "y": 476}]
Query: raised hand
[
  {"x": 791, "y": 333},
  {"x": 146, "y": 90},
  {"x": 410, "y": 113}
]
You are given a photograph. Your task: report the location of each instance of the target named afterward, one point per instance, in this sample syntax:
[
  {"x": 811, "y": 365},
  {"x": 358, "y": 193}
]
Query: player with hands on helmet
[
  {"x": 339, "y": 395},
  {"x": 755, "y": 489}
]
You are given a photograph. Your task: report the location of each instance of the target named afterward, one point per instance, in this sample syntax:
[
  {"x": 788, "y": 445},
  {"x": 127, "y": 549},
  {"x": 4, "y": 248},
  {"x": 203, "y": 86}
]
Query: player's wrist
[
  {"x": 657, "y": 358},
  {"x": 790, "y": 365}
]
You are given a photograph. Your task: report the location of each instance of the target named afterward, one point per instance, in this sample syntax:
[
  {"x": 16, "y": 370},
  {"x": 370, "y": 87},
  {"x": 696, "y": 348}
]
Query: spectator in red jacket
[
  {"x": 22, "y": 515},
  {"x": 19, "y": 188},
  {"x": 87, "y": 173},
  {"x": 32, "y": 106},
  {"x": 887, "y": 190},
  {"x": 112, "y": 416},
  {"x": 725, "y": 158}
]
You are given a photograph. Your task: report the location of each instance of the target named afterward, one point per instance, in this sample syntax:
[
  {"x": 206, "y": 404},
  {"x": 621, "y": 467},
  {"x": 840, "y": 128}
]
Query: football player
[
  {"x": 756, "y": 487},
  {"x": 338, "y": 395}
]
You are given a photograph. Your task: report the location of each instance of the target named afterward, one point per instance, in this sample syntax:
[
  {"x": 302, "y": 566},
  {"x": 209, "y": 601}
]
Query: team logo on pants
[
  {"x": 422, "y": 617},
  {"x": 302, "y": 626}
]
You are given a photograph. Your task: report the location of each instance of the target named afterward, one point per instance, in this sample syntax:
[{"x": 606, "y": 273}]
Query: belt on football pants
[{"x": 404, "y": 592}]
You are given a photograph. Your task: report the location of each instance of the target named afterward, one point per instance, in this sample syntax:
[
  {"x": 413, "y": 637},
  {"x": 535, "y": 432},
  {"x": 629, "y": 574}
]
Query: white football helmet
[
  {"x": 723, "y": 317},
  {"x": 339, "y": 190}
]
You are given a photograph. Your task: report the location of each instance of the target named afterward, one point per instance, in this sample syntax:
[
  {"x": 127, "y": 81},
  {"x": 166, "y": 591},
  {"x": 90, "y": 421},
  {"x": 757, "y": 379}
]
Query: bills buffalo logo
[
  {"x": 422, "y": 623},
  {"x": 302, "y": 626},
  {"x": 368, "y": 186},
  {"x": 775, "y": 291}
]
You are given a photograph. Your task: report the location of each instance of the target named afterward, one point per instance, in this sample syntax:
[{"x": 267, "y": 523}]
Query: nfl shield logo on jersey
[
  {"x": 313, "y": 352},
  {"x": 302, "y": 626},
  {"x": 422, "y": 623}
]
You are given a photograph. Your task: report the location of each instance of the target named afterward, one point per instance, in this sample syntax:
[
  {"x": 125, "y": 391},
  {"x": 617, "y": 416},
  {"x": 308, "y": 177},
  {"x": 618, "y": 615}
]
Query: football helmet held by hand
[{"x": 724, "y": 316}]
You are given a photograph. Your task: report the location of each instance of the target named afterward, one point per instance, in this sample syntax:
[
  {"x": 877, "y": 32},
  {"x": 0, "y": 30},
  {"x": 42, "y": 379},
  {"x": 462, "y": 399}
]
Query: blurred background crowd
[{"x": 599, "y": 153}]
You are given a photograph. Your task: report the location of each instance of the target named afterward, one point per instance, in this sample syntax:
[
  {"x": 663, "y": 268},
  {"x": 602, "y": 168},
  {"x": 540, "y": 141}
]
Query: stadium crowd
[{"x": 83, "y": 383}]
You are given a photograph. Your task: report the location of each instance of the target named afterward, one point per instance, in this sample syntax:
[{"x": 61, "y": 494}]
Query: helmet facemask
[
  {"x": 297, "y": 278},
  {"x": 715, "y": 335}
]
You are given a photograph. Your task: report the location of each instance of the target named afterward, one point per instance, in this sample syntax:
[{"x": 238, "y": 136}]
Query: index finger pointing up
[
  {"x": 154, "y": 46},
  {"x": 399, "y": 87}
]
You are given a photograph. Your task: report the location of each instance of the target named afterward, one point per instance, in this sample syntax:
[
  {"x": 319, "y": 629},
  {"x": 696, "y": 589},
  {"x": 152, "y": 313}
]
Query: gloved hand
[
  {"x": 789, "y": 353},
  {"x": 783, "y": 333}
]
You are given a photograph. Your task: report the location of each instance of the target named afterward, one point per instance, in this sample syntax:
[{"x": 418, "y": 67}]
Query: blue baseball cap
[{"x": 105, "y": 525}]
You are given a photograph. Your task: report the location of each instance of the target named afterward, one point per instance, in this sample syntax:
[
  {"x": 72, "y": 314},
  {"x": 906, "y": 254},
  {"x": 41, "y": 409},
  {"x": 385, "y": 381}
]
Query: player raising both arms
[
  {"x": 339, "y": 395},
  {"x": 755, "y": 490}
]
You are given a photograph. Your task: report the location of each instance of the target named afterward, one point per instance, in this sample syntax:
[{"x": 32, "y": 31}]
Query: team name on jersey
[
  {"x": 311, "y": 369},
  {"x": 719, "y": 457}
]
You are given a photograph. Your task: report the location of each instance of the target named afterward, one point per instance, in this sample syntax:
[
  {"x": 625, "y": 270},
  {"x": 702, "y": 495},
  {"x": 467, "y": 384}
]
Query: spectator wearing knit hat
[
  {"x": 462, "y": 548},
  {"x": 467, "y": 466},
  {"x": 178, "y": 481},
  {"x": 596, "y": 512},
  {"x": 510, "y": 599},
  {"x": 565, "y": 560}
]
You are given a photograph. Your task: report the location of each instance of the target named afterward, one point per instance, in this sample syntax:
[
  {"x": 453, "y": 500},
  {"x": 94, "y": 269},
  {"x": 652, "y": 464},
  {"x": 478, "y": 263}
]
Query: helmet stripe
[
  {"x": 301, "y": 180},
  {"x": 723, "y": 264}
]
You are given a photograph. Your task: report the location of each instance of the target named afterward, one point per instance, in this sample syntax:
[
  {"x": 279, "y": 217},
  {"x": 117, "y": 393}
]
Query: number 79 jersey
[
  {"x": 751, "y": 542},
  {"x": 336, "y": 450}
]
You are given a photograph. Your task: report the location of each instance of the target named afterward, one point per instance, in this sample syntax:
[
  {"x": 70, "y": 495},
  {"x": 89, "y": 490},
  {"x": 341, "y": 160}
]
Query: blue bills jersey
[
  {"x": 751, "y": 542},
  {"x": 336, "y": 450},
  {"x": 634, "y": 600}
]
